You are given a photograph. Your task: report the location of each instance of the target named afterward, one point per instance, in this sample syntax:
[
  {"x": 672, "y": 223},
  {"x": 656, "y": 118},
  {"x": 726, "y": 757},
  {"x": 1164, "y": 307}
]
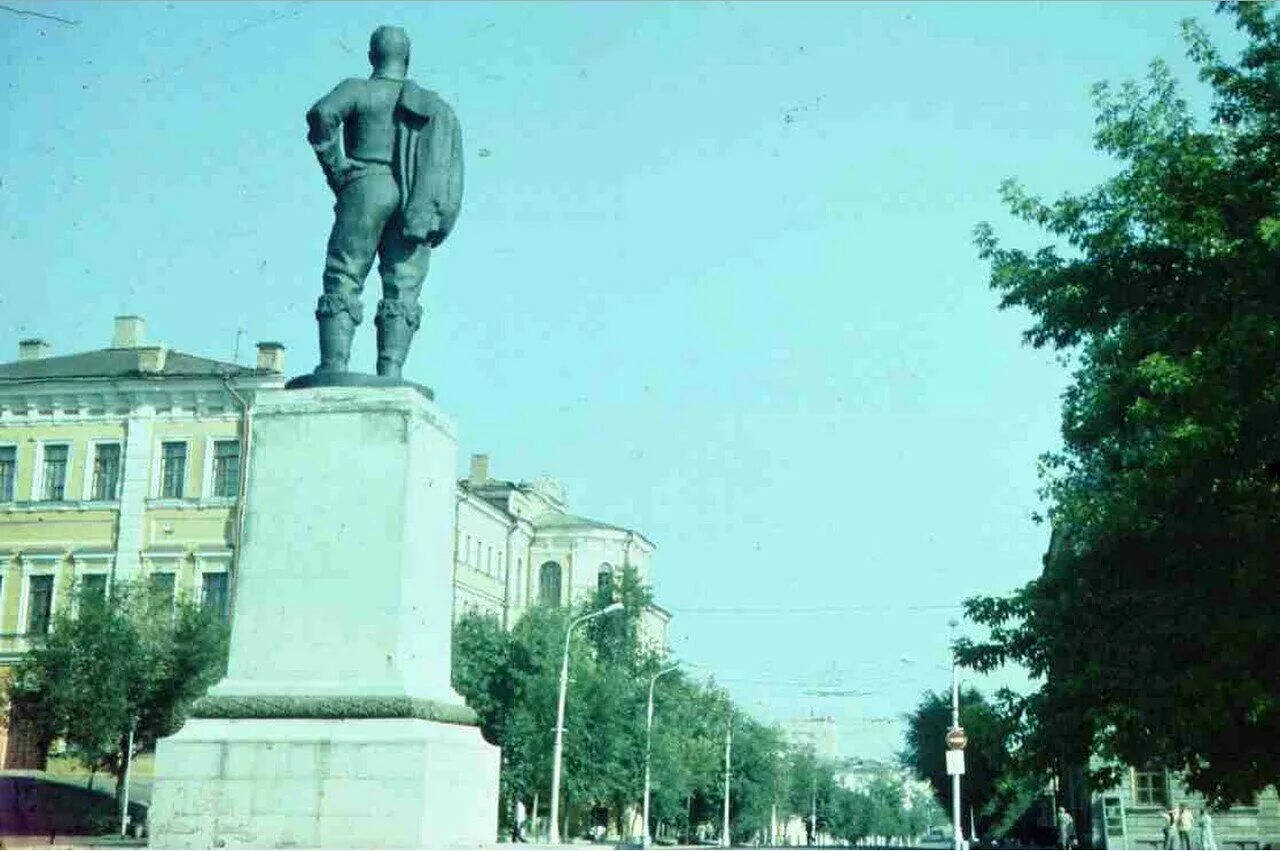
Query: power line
[
  {"x": 810, "y": 610},
  {"x": 35, "y": 14}
]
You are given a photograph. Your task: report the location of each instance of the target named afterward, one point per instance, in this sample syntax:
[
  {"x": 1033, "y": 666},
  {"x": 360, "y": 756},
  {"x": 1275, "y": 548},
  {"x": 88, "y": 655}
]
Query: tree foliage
[
  {"x": 126, "y": 662},
  {"x": 994, "y": 780},
  {"x": 511, "y": 678},
  {"x": 1153, "y": 623}
]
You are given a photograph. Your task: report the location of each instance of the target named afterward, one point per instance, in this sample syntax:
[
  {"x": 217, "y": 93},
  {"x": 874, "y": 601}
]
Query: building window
[
  {"x": 226, "y": 468},
  {"x": 173, "y": 469},
  {"x": 488, "y": 566},
  {"x": 466, "y": 554},
  {"x": 106, "y": 472},
  {"x": 39, "y": 604},
  {"x": 549, "y": 584},
  {"x": 53, "y": 487},
  {"x": 8, "y": 472},
  {"x": 93, "y": 588},
  {"x": 160, "y": 586},
  {"x": 213, "y": 594},
  {"x": 604, "y": 581},
  {"x": 1150, "y": 788}
]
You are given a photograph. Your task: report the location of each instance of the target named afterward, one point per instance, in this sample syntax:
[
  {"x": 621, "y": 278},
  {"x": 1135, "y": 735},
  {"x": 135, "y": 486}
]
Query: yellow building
[
  {"x": 117, "y": 464},
  {"x": 125, "y": 464}
]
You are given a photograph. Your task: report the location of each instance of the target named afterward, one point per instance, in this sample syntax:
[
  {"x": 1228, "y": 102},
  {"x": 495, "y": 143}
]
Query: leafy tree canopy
[
  {"x": 1153, "y": 625},
  {"x": 511, "y": 678},
  {"x": 126, "y": 662},
  {"x": 994, "y": 779}
]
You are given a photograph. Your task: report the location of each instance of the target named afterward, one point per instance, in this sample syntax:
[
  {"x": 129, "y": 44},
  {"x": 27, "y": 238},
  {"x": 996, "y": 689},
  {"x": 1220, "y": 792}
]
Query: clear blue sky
[{"x": 714, "y": 271}]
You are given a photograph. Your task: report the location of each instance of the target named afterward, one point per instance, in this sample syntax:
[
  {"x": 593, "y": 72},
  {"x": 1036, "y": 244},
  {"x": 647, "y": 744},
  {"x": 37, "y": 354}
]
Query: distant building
[
  {"x": 1128, "y": 816},
  {"x": 126, "y": 463},
  {"x": 818, "y": 733},
  {"x": 518, "y": 546},
  {"x": 858, "y": 775}
]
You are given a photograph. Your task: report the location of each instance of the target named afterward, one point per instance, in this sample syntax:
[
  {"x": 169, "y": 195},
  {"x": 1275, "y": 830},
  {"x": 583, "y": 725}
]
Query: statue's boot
[
  {"x": 394, "y": 335},
  {"x": 336, "y": 332}
]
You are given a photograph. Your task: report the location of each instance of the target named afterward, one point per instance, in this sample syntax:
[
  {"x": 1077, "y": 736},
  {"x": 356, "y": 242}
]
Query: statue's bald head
[{"x": 389, "y": 48}]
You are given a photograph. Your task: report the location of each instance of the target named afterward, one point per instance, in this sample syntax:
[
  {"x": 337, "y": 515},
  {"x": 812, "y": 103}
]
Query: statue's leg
[
  {"x": 403, "y": 267},
  {"x": 362, "y": 210}
]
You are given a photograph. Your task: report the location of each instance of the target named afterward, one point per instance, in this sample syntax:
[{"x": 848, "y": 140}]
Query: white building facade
[{"x": 518, "y": 546}]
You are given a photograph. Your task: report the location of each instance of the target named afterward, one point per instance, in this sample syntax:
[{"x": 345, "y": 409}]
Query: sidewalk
[{"x": 70, "y": 842}]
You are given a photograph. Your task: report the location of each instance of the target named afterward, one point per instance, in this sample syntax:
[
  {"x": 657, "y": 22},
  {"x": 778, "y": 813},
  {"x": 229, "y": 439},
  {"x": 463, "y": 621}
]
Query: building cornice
[
  {"x": 659, "y": 610},
  {"x": 568, "y": 535},
  {"x": 486, "y": 507},
  {"x": 107, "y": 399}
]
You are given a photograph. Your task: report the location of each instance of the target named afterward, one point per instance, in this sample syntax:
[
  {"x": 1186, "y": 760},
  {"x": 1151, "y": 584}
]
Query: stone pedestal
[{"x": 336, "y": 725}]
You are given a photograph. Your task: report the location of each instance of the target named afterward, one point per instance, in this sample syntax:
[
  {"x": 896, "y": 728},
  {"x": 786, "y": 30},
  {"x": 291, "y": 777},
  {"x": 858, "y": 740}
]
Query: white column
[{"x": 135, "y": 485}]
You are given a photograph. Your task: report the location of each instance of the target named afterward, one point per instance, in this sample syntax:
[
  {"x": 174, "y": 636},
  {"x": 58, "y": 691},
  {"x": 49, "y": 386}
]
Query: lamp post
[
  {"x": 648, "y": 745},
  {"x": 128, "y": 765},
  {"x": 728, "y": 749},
  {"x": 957, "y": 826},
  {"x": 554, "y": 833}
]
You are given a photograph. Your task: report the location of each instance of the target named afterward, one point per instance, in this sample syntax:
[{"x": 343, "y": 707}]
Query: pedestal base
[
  {"x": 319, "y": 783},
  {"x": 353, "y": 379}
]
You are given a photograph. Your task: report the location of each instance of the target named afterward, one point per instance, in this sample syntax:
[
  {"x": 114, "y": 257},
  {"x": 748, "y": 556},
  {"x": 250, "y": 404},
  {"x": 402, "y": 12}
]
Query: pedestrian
[
  {"x": 1185, "y": 822},
  {"x": 1066, "y": 828},
  {"x": 518, "y": 828},
  {"x": 1206, "y": 831},
  {"x": 1168, "y": 826}
]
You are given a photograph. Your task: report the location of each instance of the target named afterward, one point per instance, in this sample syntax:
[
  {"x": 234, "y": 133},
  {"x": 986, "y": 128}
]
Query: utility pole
[
  {"x": 955, "y": 778},
  {"x": 728, "y": 748},
  {"x": 128, "y": 764},
  {"x": 813, "y": 806}
]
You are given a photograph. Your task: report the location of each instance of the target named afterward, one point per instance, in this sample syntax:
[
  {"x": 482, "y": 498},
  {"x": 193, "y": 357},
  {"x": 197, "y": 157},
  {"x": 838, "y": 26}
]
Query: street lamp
[
  {"x": 554, "y": 836},
  {"x": 955, "y": 777},
  {"x": 648, "y": 744},
  {"x": 128, "y": 764},
  {"x": 957, "y": 827},
  {"x": 728, "y": 748},
  {"x": 955, "y": 726}
]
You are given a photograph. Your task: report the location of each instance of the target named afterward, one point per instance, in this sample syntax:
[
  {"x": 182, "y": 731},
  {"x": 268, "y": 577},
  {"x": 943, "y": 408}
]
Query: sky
[{"x": 714, "y": 272}]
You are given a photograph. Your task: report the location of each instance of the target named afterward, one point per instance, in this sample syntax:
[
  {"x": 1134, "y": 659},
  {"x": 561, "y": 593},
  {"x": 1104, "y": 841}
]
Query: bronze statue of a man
[{"x": 392, "y": 153}]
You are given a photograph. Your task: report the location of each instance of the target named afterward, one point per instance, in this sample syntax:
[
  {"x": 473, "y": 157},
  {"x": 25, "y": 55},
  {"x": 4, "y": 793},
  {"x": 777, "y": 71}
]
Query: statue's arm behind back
[{"x": 324, "y": 129}]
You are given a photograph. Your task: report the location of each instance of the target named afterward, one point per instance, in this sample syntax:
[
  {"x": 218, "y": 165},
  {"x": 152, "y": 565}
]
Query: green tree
[
  {"x": 688, "y": 753},
  {"x": 888, "y": 816},
  {"x": 755, "y": 781},
  {"x": 127, "y": 662},
  {"x": 512, "y": 679},
  {"x": 852, "y": 816},
  {"x": 1150, "y": 629},
  {"x": 993, "y": 779},
  {"x": 484, "y": 672}
]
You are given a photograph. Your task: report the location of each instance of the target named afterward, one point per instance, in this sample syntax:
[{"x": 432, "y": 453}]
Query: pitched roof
[
  {"x": 560, "y": 520},
  {"x": 119, "y": 363}
]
